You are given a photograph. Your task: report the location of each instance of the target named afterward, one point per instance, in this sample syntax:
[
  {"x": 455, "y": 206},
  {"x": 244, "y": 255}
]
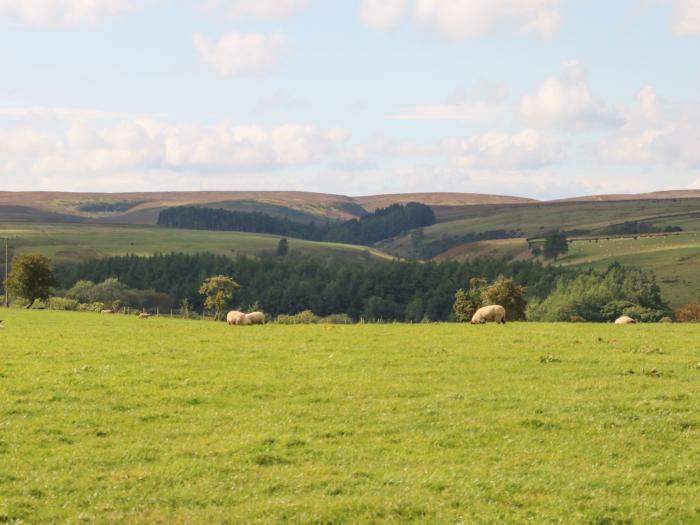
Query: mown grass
[
  {"x": 108, "y": 419},
  {"x": 70, "y": 242}
]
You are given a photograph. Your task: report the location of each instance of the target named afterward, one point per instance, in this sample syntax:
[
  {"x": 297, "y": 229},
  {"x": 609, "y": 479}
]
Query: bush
[
  {"x": 92, "y": 307},
  {"x": 690, "y": 313},
  {"x": 63, "y": 303},
  {"x": 337, "y": 319},
  {"x": 602, "y": 296},
  {"x": 467, "y": 302},
  {"x": 305, "y": 317},
  {"x": 644, "y": 315},
  {"x": 614, "y": 309},
  {"x": 505, "y": 292}
]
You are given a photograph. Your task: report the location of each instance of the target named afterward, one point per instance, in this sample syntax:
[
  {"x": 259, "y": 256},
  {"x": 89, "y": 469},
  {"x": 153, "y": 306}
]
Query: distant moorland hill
[{"x": 658, "y": 231}]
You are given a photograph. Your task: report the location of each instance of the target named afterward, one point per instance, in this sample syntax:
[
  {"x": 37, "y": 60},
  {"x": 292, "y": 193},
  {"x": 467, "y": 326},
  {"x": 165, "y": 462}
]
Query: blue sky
[{"x": 541, "y": 98}]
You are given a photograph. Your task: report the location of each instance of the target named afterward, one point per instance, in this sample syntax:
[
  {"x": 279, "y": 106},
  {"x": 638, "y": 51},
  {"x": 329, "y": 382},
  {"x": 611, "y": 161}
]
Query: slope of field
[
  {"x": 674, "y": 259},
  {"x": 143, "y": 208},
  {"x": 109, "y": 419},
  {"x": 669, "y": 194},
  {"x": 373, "y": 202},
  {"x": 65, "y": 242}
]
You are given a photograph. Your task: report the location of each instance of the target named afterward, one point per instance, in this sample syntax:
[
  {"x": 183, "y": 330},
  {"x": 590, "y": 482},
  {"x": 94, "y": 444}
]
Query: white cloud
[
  {"x": 241, "y": 54},
  {"x": 129, "y": 146},
  {"x": 685, "y": 19},
  {"x": 567, "y": 102},
  {"x": 526, "y": 150},
  {"x": 484, "y": 101},
  {"x": 469, "y": 111},
  {"x": 382, "y": 14},
  {"x": 656, "y": 133},
  {"x": 472, "y": 18},
  {"x": 64, "y": 13},
  {"x": 39, "y": 113},
  {"x": 502, "y": 152},
  {"x": 257, "y": 8}
]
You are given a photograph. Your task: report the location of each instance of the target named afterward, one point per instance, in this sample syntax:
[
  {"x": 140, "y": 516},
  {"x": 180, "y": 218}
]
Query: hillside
[
  {"x": 79, "y": 226},
  {"x": 65, "y": 242},
  {"x": 143, "y": 208}
]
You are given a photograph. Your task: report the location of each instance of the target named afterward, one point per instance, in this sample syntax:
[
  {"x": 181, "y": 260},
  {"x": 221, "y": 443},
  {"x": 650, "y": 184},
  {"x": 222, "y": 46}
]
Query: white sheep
[
  {"x": 237, "y": 318},
  {"x": 256, "y": 317},
  {"x": 625, "y": 319},
  {"x": 494, "y": 313}
]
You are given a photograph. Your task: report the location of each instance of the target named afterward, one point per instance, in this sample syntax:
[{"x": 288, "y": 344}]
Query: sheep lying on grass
[
  {"x": 494, "y": 313},
  {"x": 625, "y": 320}
]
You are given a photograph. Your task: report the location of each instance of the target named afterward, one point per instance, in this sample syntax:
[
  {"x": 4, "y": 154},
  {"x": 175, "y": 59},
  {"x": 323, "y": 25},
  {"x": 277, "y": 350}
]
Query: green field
[
  {"x": 70, "y": 242},
  {"x": 535, "y": 219},
  {"x": 675, "y": 260},
  {"x": 109, "y": 419}
]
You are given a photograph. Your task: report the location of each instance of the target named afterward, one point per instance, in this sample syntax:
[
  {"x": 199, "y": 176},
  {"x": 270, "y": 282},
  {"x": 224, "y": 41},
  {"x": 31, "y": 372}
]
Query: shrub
[
  {"x": 337, "y": 319},
  {"x": 92, "y": 307},
  {"x": 601, "y": 296},
  {"x": 508, "y": 294},
  {"x": 305, "y": 317},
  {"x": 614, "y": 309},
  {"x": 467, "y": 302},
  {"x": 63, "y": 303},
  {"x": 690, "y": 313},
  {"x": 644, "y": 315}
]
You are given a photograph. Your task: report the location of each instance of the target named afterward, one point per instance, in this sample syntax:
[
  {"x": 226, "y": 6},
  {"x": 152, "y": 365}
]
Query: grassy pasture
[
  {"x": 534, "y": 219},
  {"x": 66, "y": 242},
  {"x": 108, "y": 419}
]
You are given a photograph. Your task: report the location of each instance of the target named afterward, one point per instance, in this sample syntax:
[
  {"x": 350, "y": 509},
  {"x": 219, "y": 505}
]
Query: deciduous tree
[
  {"x": 31, "y": 278},
  {"x": 218, "y": 292}
]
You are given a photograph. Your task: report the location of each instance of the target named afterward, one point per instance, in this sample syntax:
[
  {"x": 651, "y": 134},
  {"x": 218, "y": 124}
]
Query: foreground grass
[{"x": 110, "y": 419}]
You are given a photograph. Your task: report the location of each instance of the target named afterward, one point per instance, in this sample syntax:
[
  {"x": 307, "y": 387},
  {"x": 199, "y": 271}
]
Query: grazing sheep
[
  {"x": 494, "y": 313},
  {"x": 144, "y": 315},
  {"x": 256, "y": 317},
  {"x": 237, "y": 318},
  {"x": 107, "y": 312},
  {"x": 625, "y": 320}
]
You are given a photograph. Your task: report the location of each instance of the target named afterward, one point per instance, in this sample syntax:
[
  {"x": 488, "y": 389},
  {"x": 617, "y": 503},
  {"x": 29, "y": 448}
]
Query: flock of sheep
[
  {"x": 236, "y": 318},
  {"x": 493, "y": 313}
]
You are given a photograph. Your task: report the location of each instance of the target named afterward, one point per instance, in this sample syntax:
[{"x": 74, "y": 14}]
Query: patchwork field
[
  {"x": 66, "y": 242},
  {"x": 108, "y": 419}
]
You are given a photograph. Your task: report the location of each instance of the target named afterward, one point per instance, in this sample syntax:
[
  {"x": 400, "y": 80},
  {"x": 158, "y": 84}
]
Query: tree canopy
[
  {"x": 218, "y": 292},
  {"x": 31, "y": 278}
]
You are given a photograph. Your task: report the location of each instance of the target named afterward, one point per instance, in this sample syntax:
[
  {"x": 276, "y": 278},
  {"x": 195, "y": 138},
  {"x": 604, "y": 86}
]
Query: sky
[{"x": 536, "y": 98}]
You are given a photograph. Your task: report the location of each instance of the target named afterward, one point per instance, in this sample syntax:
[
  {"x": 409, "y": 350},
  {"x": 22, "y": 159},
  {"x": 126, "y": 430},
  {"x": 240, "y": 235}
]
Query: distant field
[
  {"x": 675, "y": 260},
  {"x": 108, "y": 419},
  {"x": 535, "y": 219},
  {"x": 65, "y": 242}
]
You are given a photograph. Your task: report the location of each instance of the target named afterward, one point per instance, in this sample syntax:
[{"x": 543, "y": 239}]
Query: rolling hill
[
  {"x": 143, "y": 208},
  {"x": 77, "y": 226}
]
